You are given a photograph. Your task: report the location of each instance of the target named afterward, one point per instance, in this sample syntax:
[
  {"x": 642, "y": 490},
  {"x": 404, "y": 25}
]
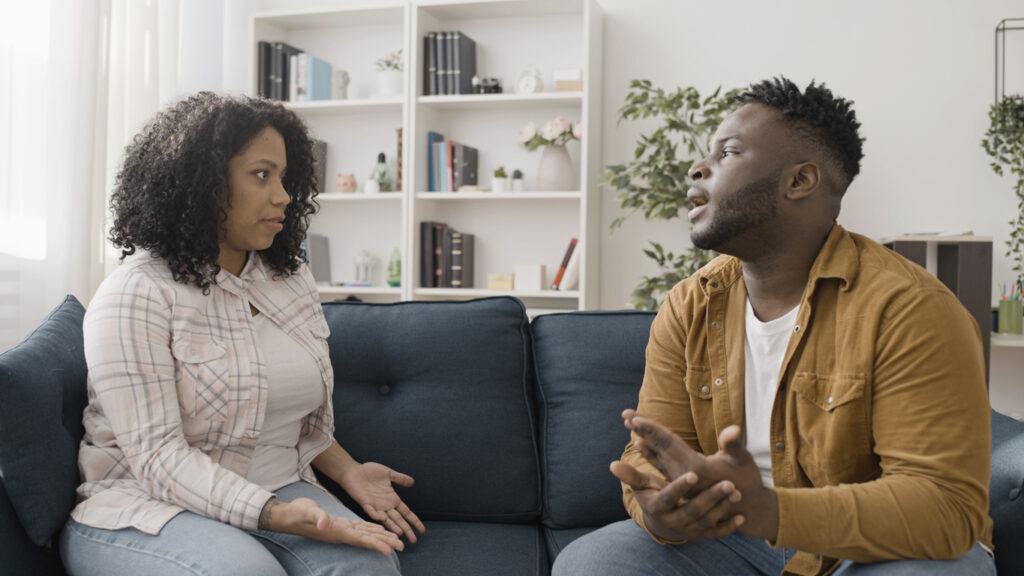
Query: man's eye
[{"x": 728, "y": 152}]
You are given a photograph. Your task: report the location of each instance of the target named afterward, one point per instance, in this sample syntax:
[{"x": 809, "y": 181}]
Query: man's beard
[{"x": 752, "y": 205}]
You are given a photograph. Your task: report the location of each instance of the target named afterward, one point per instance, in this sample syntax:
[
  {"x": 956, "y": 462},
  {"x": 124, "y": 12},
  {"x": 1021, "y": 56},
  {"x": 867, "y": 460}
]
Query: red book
[
  {"x": 565, "y": 262},
  {"x": 450, "y": 172}
]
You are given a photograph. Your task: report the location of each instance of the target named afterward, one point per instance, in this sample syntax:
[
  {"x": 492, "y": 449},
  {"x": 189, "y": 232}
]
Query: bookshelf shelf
[
  {"x": 1007, "y": 340},
  {"x": 360, "y": 197},
  {"x": 333, "y": 107},
  {"x": 524, "y": 196},
  {"x": 500, "y": 101}
]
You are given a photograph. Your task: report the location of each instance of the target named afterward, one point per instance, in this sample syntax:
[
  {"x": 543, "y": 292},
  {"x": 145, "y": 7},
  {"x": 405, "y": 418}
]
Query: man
[{"x": 813, "y": 403}]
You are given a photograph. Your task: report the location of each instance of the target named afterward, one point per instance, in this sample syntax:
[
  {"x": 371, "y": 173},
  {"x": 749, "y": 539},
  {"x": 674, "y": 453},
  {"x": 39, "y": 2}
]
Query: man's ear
[{"x": 804, "y": 179}]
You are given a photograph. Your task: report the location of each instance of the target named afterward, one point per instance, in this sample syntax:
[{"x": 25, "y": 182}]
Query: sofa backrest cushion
[
  {"x": 1006, "y": 500},
  {"x": 42, "y": 396},
  {"x": 589, "y": 368},
  {"x": 440, "y": 391}
]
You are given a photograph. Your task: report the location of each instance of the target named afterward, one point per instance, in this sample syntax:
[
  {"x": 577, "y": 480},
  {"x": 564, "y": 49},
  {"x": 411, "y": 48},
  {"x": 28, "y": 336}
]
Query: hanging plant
[
  {"x": 655, "y": 181},
  {"x": 1004, "y": 142}
]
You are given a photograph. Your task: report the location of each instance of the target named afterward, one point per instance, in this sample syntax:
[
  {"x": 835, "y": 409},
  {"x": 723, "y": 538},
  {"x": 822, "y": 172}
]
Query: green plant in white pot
[
  {"x": 1004, "y": 142},
  {"x": 655, "y": 181}
]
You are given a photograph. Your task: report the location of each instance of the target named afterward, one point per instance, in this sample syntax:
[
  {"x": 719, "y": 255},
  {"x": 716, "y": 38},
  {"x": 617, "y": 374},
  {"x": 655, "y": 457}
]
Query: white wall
[{"x": 920, "y": 72}]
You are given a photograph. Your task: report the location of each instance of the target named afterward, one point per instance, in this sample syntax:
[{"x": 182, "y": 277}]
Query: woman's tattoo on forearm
[{"x": 266, "y": 513}]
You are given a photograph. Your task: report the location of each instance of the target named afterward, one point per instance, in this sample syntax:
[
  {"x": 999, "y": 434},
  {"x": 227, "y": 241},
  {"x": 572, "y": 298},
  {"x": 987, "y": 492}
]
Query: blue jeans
[
  {"x": 624, "y": 548},
  {"x": 192, "y": 544}
]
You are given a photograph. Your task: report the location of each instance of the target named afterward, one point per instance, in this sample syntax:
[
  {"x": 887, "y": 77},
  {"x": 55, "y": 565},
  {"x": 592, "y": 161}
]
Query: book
[
  {"x": 464, "y": 166},
  {"x": 449, "y": 168},
  {"x": 398, "y": 163},
  {"x": 293, "y": 84},
  {"x": 284, "y": 52},
  {"x": 301, "y": 78},
  {"x": 461, "y": 275},
  {"x": 450, "y": 62},
  {"x": 442, "y": 72},
  {"x": 565, "y": 263},
  {"x": 264, "y": 79},
  {"x": 571, "y": 278},
  {"x": 440, "y": 152},
  {"x": 439, "y": 229},
  {"x": 431, "y": 163},
  {"x": 463, "y": 63},
  {"x": 427, "y": 253},
  {"x": 430, "y": 64},
  {"x": 445, "y": 280},
  {"x": 318, "y": 76},
  {"x": 319, "y": 165}
]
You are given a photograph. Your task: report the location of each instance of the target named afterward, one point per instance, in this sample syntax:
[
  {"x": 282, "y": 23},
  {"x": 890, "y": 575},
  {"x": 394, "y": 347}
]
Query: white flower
[
  {"x": 527, "y": 132},
  {"x": 577, "y": 130},
  {"x": 551, "y": 130},
  {"x": 563, "y": 124}
]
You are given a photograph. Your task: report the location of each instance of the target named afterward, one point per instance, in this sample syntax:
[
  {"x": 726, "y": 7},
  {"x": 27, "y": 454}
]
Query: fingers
[
  {"x": 636, "y": 479},
  {"x": 398, "y": 525},
  {"x": 401, "y": 479},
  {"x": 374, "y": 537},
  {"x": 730, "y": 441}
]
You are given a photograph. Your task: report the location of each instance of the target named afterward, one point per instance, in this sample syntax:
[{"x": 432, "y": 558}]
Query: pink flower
[
  {"x": 577, "y": 130},
  {"x": 563, "y": 124}
]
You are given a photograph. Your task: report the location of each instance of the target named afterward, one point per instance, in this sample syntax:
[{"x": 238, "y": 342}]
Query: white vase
[
  {"x": 555, "y": 171},
  {"x": 389, "y": 82},
  {"x": 499, "y": 185}
]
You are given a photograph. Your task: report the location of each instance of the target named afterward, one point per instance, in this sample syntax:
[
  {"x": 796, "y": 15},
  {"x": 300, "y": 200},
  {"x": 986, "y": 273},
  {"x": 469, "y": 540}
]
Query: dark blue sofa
[{"x": 508, "y": 427}]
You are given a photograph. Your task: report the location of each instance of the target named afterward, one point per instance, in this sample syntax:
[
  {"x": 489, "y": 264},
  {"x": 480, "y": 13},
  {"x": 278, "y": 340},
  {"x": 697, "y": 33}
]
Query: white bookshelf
[{"x": 511, "y": 228}]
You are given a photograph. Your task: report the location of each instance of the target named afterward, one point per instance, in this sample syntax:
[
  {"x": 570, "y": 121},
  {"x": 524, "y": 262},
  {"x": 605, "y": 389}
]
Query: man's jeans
[
  {"x": 191, "y": 544},
  {"x": 624, "y": 548}
]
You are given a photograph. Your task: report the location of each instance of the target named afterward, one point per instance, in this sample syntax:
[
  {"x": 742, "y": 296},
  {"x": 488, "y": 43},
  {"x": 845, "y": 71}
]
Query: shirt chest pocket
[
  {"x": 832, "y": 423},
  {"x": 202, "y": 374}
]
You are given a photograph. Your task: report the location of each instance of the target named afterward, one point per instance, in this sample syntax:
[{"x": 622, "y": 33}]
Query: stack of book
[
  {"x": 449, "y": 63},
  {"x": 450, "y": 164},
  {"x": 288, "y": 73},
  {"x": 446, "y": 256}
]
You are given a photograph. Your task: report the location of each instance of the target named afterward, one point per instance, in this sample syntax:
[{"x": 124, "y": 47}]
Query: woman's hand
[
  {"x": 304, "y": 517},
  {"x": 369, "y": 484}
]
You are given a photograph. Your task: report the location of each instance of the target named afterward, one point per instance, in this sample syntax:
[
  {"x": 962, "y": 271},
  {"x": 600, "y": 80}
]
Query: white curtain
[{"x": 78, "y": 78}]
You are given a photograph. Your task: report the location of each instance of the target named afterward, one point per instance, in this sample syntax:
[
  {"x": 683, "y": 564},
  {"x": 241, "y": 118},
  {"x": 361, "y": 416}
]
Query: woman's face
[{"x": 258, "y": 199}]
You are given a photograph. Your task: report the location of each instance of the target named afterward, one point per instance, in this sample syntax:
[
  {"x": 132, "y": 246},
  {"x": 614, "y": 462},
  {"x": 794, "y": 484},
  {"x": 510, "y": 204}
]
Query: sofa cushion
[
  {"x": 557, "y": 540},
  {"x": 42, "y": 396},
  {"x": 440, "y": 391},
  {"x": 476, "y": 548},
  {"x": 1006, "y": 501},
  {"x": 589, "y": 368}
]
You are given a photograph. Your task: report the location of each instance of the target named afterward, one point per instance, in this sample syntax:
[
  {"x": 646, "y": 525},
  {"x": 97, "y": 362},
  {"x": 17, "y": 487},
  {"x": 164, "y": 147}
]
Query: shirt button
[
  {"x": 829, "y": 401},
  {"x": 714, "y": 284},
  {"x": 780, "y": 446},
  {"x": 705, "y": 390},
  {"x": 715, "y": 324},
  {"x": 718, "y": 381},
  {"x": 797, "y": 329},
  {"x": 384, "y": 389}
]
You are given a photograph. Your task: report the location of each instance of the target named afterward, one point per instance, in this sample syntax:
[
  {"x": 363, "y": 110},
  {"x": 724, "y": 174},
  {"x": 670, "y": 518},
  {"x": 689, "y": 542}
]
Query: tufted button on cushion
[{"x": 384, "y": 389}]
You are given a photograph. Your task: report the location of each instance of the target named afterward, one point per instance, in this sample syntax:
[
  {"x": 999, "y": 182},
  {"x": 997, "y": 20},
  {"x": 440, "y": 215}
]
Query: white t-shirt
[
  {"x": 764, "y": 348},
  {"x": 294, "y": 391}
]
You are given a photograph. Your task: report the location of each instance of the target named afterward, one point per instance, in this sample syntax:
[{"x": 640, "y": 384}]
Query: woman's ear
[{"x": 804, "y": 179}]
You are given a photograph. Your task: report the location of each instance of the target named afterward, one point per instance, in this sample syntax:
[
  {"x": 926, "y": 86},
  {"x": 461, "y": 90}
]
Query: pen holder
[{"x": 1011, "y": 316}]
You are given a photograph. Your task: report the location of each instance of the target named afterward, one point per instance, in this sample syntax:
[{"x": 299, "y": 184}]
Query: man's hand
[
  {"x": 304, "y": 517},
  {"x": 670, "y": 516},
  {"x": 757, "y": 510},
  {"x": 370, "y": 485}
]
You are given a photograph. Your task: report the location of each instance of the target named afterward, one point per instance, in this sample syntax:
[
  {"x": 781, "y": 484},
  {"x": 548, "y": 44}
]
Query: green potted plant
[
  {"x": 500, "y": 181},
  {"x": 517, "y": 180},
  {"x": 1004, "y": 142},
  {"x": 389, "y": 74},
  {"x": 655, "y": 181}
]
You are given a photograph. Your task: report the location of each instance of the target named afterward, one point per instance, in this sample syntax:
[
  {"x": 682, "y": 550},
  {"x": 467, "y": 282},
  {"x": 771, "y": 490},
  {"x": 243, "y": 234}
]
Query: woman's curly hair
[{"x": 171, "y": 193}]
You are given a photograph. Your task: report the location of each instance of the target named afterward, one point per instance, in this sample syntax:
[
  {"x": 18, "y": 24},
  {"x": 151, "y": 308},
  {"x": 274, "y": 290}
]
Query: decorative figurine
[{"x": 345, "y": 183}]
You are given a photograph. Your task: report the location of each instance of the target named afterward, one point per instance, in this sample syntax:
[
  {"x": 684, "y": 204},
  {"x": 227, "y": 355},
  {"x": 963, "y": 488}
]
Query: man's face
[{"x": 736, "y": 187}]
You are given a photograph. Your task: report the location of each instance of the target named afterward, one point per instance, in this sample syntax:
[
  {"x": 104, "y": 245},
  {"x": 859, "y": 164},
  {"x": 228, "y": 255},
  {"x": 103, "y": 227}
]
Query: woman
[{"x": 209, "y": 376}]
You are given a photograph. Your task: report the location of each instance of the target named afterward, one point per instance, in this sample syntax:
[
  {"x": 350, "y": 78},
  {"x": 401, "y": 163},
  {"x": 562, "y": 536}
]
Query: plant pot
[
  {"x": 499, "y": 184},
  {"x": 555, "y": 171},
  {"x": 517, "y": 184},
  {"x": 389, "y": 82}
]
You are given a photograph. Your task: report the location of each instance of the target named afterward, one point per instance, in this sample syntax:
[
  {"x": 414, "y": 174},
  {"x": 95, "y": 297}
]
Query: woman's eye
[{"x": 262, "y": 174}]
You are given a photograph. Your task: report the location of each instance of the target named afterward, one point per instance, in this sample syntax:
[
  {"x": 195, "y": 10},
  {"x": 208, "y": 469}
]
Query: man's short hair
[{"x": 828, "y": 121}]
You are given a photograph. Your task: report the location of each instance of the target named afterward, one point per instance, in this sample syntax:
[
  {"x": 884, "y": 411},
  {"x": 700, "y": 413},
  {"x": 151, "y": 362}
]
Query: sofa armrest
[{"x": 1006, "y": 504}]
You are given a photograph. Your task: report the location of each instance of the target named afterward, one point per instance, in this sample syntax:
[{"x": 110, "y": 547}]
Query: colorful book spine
[{"x": 565, "y": 263}]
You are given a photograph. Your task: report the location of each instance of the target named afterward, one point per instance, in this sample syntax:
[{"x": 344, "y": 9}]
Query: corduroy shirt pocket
[{"x": 832, "y": 423}]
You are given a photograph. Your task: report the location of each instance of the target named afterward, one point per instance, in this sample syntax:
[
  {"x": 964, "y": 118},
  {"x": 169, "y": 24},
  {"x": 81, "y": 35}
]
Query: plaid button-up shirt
[{"x": 178, "y": 391}]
